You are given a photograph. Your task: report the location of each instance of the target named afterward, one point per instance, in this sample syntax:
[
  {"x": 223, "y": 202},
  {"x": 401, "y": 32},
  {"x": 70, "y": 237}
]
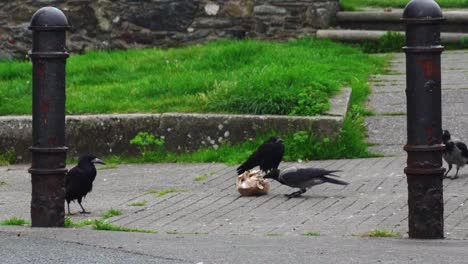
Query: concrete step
[
  {"x": 456, "y": 20},
  {"x": 356, "y": 36}
]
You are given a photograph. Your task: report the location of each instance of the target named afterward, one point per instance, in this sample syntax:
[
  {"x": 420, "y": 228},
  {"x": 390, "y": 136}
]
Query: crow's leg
[
  {"x": 456, "y": 174},
  {"x": 68, "y": 205},
  {"x": 84, "y": 211},
  {"x": 296, "y": 194},
  {"x": 450, "y": 167}
]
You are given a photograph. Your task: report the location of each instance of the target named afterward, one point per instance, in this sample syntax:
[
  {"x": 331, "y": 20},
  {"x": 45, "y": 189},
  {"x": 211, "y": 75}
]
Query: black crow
[
  {"x": 79, "y": 180},
  {"x": 303, "y": 178},
  {"x": 455, "y": 152},
  {"x": 268, "y": 156}
]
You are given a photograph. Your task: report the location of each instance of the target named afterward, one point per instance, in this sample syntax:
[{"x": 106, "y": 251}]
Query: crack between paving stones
[{"x": 103, "y": 247}]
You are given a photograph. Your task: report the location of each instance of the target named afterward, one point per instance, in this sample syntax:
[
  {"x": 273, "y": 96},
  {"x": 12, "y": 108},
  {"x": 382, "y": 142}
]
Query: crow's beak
[
  {"x": 96, "y": 160},
  {"x": 279, "y": 140}
]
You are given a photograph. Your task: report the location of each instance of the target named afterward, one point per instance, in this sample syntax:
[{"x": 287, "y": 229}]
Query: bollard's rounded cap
[
  {"x": 49, "y": 19},
  {"x": 422, "y": 9}
]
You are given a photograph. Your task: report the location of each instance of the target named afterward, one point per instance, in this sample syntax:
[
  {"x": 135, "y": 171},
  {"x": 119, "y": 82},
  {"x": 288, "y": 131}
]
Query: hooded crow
[
  {"x": 268, "y": 156},
  {"x": 455, "y": 152},
  {"x": 79, "y": 180},
  {"x": 303, "y": 178}
]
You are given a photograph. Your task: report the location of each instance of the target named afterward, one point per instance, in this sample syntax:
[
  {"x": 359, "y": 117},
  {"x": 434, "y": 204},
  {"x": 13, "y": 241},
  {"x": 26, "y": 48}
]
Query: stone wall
[
  {"x": 121, "y": 24},
  {"x": 106, "y": 135}
]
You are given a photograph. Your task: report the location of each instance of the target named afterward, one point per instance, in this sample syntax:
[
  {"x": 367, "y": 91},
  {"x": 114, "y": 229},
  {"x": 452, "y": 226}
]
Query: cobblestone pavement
[
  {"x": 376, "y": 198},
  {"x": 271, "y": 224},
  {"x": 387, "y": 129}
]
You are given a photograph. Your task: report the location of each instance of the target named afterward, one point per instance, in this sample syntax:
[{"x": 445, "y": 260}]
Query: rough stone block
[
  {"x": 123, "y": 24},
  {"x": 111, "y": 134}
]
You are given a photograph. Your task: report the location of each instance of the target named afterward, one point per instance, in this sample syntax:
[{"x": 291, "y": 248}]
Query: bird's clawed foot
[
  {"x": 70, "y": 213},
  {"x": 294, "y": 194},
  {"x": 84, "y": 212}
]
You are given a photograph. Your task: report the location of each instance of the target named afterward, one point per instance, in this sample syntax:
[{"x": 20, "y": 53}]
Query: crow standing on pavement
[
  {"x": 455, "y": 152},
  {"x": 303, "y": 178},
  {"x": 268, "y": 156},
  {"x": 79, "y": 180}
]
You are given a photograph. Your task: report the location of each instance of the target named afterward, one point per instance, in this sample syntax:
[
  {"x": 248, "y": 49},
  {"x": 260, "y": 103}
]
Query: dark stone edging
[
  {"x": 455, "y": 20},
  {"x": 110, "y": 134}
]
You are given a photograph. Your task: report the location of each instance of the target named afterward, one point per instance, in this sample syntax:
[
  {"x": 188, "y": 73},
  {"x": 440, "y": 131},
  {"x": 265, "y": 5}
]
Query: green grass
[
  {"x": 203, "y": 176},
  {"x": 158, "y": 193},
  {"x": 103, "y": 225},
  {"x": 70, "y": 223},
  {"x": 175, "y": 232},
  {"x": 111, "y": 213},
  {"x": 358, "y": 4},
  {"x": 381, "y": 233},
  {"x": 312, "y": 234},
  {"x": 152, "y": 191},
  {"x": 249, "y": 76},
  {"x": 394, "y": 114},
  {"x": 3, "y": 183},
  {"x": 303, "y": 145},
  {"x": 7, "y": 157},
  {"x": 235, "y": 75},
  {"x": 167, "y": 191},
  {"x": 142, "y": 203},
  {"x": 15, "y": 221},
  {"x": 389, "y": 42}
]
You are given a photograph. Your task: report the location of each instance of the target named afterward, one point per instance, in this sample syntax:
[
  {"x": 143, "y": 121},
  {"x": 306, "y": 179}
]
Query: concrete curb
[
  {"x": 454, "y": 16},
  {"x": 350, "y": 35},
  {"x": 378, "y": 20},
  {"x": 110, "y": 134}
]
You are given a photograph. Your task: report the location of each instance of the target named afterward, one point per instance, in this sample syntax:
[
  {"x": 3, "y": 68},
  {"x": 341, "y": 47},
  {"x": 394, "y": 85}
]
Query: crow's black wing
[
  {"x": 77, "y": 183},
  {"x": 255, "y": 159},
  {"x": 273, "y": 156},
  {"x": 462, "y": 147},
  {"x": 74, "y": 183},
  {"x": 304, "y": 177}
]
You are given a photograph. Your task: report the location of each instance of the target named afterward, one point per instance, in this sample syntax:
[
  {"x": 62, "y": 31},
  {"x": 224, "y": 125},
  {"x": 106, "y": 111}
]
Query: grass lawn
[
  {"x": 227, "y": 76},
  {"x": 254, "y": 77},
  {"x": 356, "y": 4}
]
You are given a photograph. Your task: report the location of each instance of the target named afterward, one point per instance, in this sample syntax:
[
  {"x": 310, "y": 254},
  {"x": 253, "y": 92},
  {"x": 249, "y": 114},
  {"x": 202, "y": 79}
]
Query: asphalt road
[{"x": 26, "y": 245}]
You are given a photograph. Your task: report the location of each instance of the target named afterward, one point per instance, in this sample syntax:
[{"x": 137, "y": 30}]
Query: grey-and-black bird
[
  {"x": 268, "y": 156},
  {"x": 455, "y": 152},
  {"x": 79, "y": 180},
  {"x": 303, "y": 178}
]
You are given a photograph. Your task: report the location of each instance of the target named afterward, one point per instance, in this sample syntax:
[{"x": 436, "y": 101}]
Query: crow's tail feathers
[
  {"x": 241, "y": 169},
  {"x": 335, "y": 181},
  {"x": 330, "y": 173}
]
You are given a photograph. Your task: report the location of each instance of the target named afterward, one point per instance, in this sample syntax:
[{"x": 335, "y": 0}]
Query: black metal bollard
[
  {"x": 48, "y": 170},
  {"x": 424, "y": 119}
]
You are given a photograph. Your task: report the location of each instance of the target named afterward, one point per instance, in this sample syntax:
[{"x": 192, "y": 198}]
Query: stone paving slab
[
  {"x": 387, "y": 129},
  {"x": 376, "y": 198},
  {"x": 54, "y": 245}
]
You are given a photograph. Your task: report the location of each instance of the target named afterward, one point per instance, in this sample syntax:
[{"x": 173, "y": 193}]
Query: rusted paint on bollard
[
  {"x": 48, "y": 170},
  {"x": 424, "y": 119}
]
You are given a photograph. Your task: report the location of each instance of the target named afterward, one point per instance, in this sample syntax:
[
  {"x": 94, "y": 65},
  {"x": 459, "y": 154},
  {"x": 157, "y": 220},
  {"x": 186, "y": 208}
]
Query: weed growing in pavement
[
  {"x": 15, "y": 221},
  {"x": 142, "y": 203},
  {"x": 110, "y": 213}
]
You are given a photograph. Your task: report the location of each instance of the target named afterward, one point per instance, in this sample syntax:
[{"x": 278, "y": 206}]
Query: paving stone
[
  {"x": 375, "y": 198},
  {"x": 387, "y": 129}
]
